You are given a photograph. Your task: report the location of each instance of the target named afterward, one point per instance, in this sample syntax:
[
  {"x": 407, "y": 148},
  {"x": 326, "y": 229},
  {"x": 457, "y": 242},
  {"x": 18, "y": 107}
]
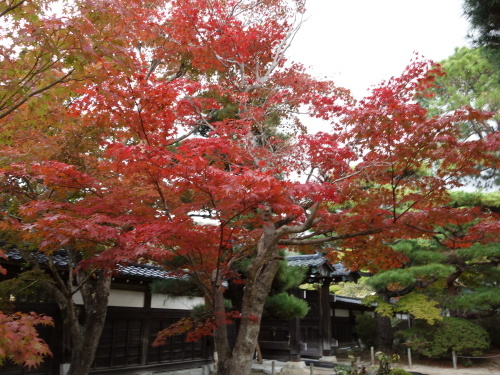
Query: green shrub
[
  {"x": 452, "y": 334},
  {"x": 176, "y": 287},
  {"x": 492, "y": 325},
  {"x": 343, "y": 369},
  {"x": 285, "y": 306},
  {"x": 366, "y": 328},
  {"x": 399, "y": 371},
  {"x": 201, "y": 311}
]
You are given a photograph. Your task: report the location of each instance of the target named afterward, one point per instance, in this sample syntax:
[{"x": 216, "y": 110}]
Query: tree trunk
[
  {"x": 85, "y": 337},
  {"x": 260, "y": 275},
  {"x": 385, "y": 337},
  {"x": 254, "y": 297},
  {"x": 385, "y": 334}
]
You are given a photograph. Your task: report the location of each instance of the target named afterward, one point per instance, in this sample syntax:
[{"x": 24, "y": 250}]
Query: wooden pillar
[
  {"x": 295, "y": 340},
  {"x": 325, "y": 320},
  {"x": 145, "y": 327}
]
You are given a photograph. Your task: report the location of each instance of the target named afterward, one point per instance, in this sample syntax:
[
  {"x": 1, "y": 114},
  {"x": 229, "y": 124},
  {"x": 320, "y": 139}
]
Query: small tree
[
  {"x": 366, "y": 328},
  {"x": 452, "y": 334}
]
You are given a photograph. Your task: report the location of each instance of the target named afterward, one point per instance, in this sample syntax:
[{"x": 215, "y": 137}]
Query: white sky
[{"x": 358, "y": 43}]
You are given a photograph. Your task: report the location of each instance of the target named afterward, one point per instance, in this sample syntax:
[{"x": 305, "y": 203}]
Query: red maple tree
[{"x": 181, "y": 140}]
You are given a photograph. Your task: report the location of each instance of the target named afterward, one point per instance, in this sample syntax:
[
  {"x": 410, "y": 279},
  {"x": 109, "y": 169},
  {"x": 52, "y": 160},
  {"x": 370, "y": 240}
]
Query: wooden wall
[{"x": 125, "y": 344}]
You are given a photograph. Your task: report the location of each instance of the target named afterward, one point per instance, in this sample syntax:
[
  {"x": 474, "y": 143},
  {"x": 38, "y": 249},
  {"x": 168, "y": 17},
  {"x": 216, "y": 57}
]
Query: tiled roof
[
  {"x": 309, "y": 260},
  {"x": 139, "y": 271},
  {"x": 316, "y": 260},
  {"x": 143, "y": 271},
  {"x": 60, "y": 258},
  {"x": 340, "y": 270}
]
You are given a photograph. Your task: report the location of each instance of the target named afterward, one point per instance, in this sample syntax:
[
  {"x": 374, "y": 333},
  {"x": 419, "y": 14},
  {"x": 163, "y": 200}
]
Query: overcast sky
[{"x": 359, "y": 43}]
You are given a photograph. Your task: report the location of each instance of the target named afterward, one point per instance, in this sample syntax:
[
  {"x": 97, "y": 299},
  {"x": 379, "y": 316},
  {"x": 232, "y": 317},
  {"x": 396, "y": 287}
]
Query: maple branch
[
  {"x": 310, "y": 174},
  {"x": 322, "y": 240},
  {"x": 183, "y": 137},
  {"x": 160, "y": 193},
  {"x": 359, "y": 171},
  {"x": 82, "y": 282},
  {"x": 291, "y": 218},
  {"x": 58, "y": 279},
  {"x": 36, "y": 92},
  {"x": 12, "y": 7},
  {"x": 281, "y": 50},
  {"x": 26, "y": 287},
  {"x": 178, "y": 74}
]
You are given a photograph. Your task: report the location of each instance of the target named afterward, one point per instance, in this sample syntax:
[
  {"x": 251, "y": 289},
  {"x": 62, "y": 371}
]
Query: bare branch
[
  {"x": 326, "y": 239},
  {"x": 36, "y": 92},
  {"x": 12, "y": 7}
]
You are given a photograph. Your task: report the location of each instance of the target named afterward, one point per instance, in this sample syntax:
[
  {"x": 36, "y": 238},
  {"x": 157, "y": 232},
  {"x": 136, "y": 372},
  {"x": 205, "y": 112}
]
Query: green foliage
[
  {"x": 416, "y": 304},
  {"x": 420, "y": 307},
  {"x": 420, "y": 251},
  {"x": 366, "y": 327},
  {"x": 492, "y": 325},
  {"x": 288, "y": 277},
  {"x": 484, "y": 17},
  {"x": 202, "y": 312},
  {"x": 343, "y": 369},
  {"x": 285, "y": 306},
  {"x": 452, "y": 334},
  {"x": 432, "y": 270},
  {"x": 478, "y": 251},
  {"x": 472, "y": 80},
  {"x": 482, "y": 298},
  {"x": 490, "y": 200},
  {"x": 399, "y": 277},
  {"x": 359, "y": 289},
  {"x": 430, "y": 264},
  {"x": 399, "y": 371},
  {"x": 385, "y": 362},
  {"x": 26, "y": 286},
  {"x": 176, "y": 287}
]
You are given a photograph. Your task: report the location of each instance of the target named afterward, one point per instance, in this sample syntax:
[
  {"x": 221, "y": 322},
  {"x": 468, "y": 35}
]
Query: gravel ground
[{"x": 490, "y": 366}]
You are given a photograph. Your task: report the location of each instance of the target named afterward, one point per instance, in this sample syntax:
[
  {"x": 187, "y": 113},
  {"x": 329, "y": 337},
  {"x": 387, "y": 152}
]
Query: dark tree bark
[
  {"x": 82, "y": 325},
  {"x": 85, "y": 337},
  {"x": 385, "y": 337}
]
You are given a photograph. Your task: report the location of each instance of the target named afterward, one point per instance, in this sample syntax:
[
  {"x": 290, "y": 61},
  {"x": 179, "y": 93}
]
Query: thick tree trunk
[
  {"x": 385, "y": 336},
  {"x": 452, "y": 290},
  {"x": 256, "y": 290},
  {"x": 260, "y": 275},
  {"x": 82, "y": 326},
  {"x": 85, "y": 337}
]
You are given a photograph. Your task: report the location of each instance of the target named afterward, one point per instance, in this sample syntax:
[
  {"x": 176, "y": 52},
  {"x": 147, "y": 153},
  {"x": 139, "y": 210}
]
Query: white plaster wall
[
  {"x": 117, "y": 297},
  {"x": 341, "y": 313},
  {"x": 126, "y": 298},
  {"x": 164, "y": 301}
]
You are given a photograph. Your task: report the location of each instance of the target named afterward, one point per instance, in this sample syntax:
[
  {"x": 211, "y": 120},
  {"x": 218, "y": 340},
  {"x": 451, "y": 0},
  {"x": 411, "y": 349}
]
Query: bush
[
  {"x": 343, "y": 369},
  {"x": 452, "y": 334},
  {"x": 492, "y": 325},
  {"x": 366, "y": 328},
  {"x": 399, "y": 371},
  {"x": 285, "y": 306}
]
